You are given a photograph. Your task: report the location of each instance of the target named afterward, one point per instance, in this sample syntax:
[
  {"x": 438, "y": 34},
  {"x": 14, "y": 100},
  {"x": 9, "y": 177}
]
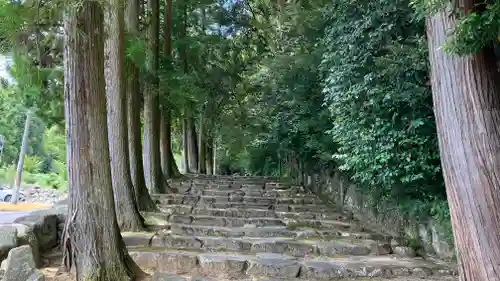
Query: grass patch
[{"x": 21, "y": 206}]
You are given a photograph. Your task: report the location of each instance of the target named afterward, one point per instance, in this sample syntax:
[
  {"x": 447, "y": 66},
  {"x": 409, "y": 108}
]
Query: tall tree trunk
[
  {"x": 189, "y": 129},
  {"x": 202, "y": 166},
  {"x": 144, "y": 200},
  {"x": 467, "y": 108},
  {"x": 92, "y": 240},
  {"x": 154, "y": 177},
  {"x": 127, "y": 212},
  {"x": 167, "y": 157},
  {"x": 214, "y": 155},
  {"x": 165, "y": 143},
  {"x": 175, "y": 169},
  {"x": 185, "y": 137},
  {"x": 192, "y": 144},
  {"x": 210, "y": 157}
]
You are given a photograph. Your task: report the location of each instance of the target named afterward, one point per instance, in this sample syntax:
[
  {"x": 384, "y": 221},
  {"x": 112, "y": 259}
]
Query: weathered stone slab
[
  {"x": 209, "y": 220},
  {"x": 286, "y": 246},
  {"x": 296, "y": 216},
  {"x": 202, "y": 230},
  {"x": 322, "y": 270},
  {"x": 240, "y": 205},
  {"x": 234, "y": 213},
  {"x": 201, "y": 278},
  {"x": 312, "y": 216},
  {"x": 404, "y": 251},
  {"x": 44, "y": 225},
  {"x": 184, "y": 219},
  {"x": 26, "y": 236},
  {"x": 19, "y": 265},
  {"x": 334, "y": 248},
  {"x": 176, "y": 209},
  {"x": 273, "y": 265},
  {"x": 176, "y": 242},
  {"x": 155, "y": 219},
  {"x": 138, "y": 238},
  {"x": 319, "y": 224},
  {"x": 8, "y": 239},
  {"x": 337, "y": 224},
  {"x": 222, "y": 264},
  {"x": 162, "y": 276},
  {"x": 177, "y": 262},
  {"x": 378, "y": 247},
  {"x": 37, "y": 275},
  {"x": 317, "y": 208},
  {"x": 334, "y": 269},
  {"x": 380, "y": 266},
  {"x": 225, "y": 244},
  {"x": 268, "y": 231}
]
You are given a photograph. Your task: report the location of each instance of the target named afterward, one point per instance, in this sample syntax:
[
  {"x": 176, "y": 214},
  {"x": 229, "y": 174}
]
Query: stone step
[
  {"x": 164, "y": 276},
  {"x": 224, "y": 221},
  {"x": 246, "y": 213},
  {"x": 313, "y": 208},
  {"x": 223, "y": 190},
  {"x": 312, "y": 216},
  {"x": 233, "y": 198},
  {"x": 252, "y": 231},
  {"x": 280, "y": 245},
  {"x": 159, "y": 221},
  {"x": 233, "y": 265},
  {"x": 235, "y": 186},
  {"x": 254, "y": 222},
  {"x": 254, "y": 193}
]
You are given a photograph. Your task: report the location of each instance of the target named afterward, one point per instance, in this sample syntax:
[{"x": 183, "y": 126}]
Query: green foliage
[
  {"x": 7, "y": 174},
  {"x": 440, "y": 211},
  {"x": 32, "y": 164},
  {"x": 12, "y": 125},
  {"x": 473, "y": 30},
  {"x": 380, "y": 101}
]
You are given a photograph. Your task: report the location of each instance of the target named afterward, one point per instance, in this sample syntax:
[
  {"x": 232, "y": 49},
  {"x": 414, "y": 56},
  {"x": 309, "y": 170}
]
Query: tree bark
[
  {"x": 175, "y": 169},
  {"x": 214, "y": 155},
  {"x": 192, "y": 144},
  {"x": 127, "y": 212},
  {"x": 202, "y": 165},
  {"x": 210, "y": 156},
  {"x": 144, "y": 200},
  {"x": 167, "y": 158},
  {"x": 92, "y": 241},
  {"x": 185, "y": 145},
  {"x": 165, "y": 144},
  {"x": 467, "y": 108},
  {"x": 154, "y": 177}
]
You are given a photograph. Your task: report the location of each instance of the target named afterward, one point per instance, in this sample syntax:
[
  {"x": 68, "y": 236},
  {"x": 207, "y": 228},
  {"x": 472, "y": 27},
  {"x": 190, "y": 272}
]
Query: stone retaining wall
[
  {"x": 26, "y": 239},
  {"x": 332, "y": 186}
]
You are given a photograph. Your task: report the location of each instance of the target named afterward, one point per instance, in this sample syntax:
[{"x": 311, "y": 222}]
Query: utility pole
[{"x": 20, "y": 163}]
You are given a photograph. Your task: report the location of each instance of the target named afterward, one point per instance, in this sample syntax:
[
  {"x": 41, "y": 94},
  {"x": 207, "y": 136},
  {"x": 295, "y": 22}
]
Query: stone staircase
[{"x": 239, "y": 228}]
